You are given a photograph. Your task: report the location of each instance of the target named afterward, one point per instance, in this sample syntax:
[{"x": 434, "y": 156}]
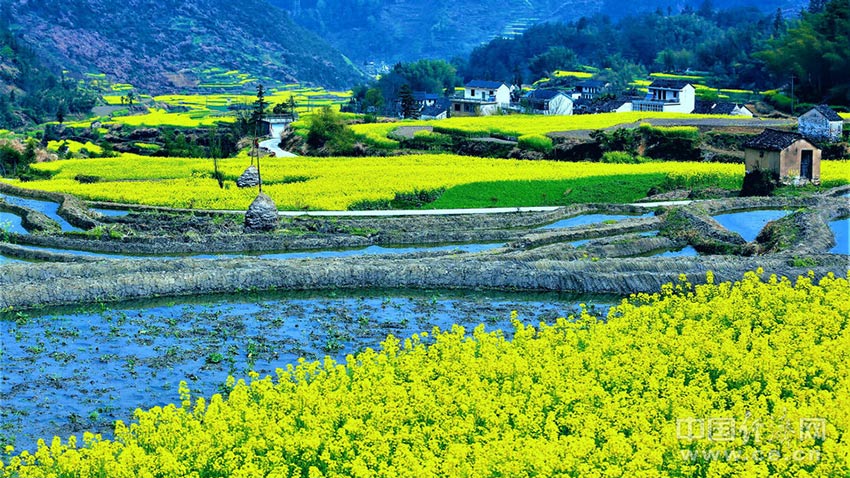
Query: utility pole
[
  {"x": 261, "y": 105},
  {"x": 792, "y": 95}
]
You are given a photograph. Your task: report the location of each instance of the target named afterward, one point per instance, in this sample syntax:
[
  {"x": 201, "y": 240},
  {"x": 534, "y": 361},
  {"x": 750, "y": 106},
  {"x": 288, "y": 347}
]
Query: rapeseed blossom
[{"x": 585, "y": 396}]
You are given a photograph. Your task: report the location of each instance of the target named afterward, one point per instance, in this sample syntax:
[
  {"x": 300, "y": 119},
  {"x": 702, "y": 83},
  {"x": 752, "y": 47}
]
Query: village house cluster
[
  {"x": 483, "y": 98},
  {"x": 792, "y": 157}
]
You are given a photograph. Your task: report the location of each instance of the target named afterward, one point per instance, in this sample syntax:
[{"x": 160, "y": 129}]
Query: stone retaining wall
[
  {"x": 24, "y": 286},
  {"x": 535, "y": 260}
]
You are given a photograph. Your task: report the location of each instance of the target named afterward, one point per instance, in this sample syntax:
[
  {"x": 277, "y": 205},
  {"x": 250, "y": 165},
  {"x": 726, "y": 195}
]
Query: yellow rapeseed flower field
[
  {"x": 520, "y": 125},
  {"x": 333, "y": 183},
  {"x": 746, "y": 379},
  {"x": 577, "y": 74},
  {"x": 74, "y": 146}
]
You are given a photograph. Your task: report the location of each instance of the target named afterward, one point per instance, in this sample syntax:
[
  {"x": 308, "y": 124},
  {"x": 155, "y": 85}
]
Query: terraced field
[{"x": 340, "y": 183}]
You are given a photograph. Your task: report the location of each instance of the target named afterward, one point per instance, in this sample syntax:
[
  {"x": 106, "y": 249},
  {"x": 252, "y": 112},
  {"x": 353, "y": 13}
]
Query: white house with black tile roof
[
  {"x": 481, "y": 98},
  {"x": 549, "y": 102},
  {"x": 821, "y": 123},
  {"x": 590, "y": 89},
  {"x": 675, "y": 96}
]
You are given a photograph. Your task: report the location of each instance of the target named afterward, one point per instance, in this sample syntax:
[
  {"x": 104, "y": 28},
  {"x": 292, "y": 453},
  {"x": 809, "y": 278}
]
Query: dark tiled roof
[
  {"x": 541, "y": 94},
  {"x": 668, "y": 84},
  {"x": 723, "y": 108},
  {"x": 423, "y": 96},
  {"x": 612, "y": 105},
  {"x": 582, "y": 103},
  {"x": 439, "y": 108},
  {"x": 773, "y": 140},
  {"x": 828, "y": 113},
  {"x": 702, "y": 107},
  {"x": 488, "y": 85}
]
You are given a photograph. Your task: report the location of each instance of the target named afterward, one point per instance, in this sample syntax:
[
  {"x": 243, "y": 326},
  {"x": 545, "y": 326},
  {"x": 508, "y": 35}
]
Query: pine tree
[
  {"x": 778, "y": 23},
  {"x": 408, "y": 103}
]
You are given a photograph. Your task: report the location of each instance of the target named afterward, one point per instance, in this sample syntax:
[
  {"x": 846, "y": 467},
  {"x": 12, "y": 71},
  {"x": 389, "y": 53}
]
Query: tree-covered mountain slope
[
  {"x": 164, "y": 44},
  {"x": 393, "y": 30}
]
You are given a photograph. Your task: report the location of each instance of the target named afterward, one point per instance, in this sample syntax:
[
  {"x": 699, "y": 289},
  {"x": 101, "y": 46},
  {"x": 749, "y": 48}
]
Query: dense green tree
[
  {"x": 555, "y": 58},
  {"x": 817, "y": 52},
  {"x": 329, "y": 131},
  {"x": 778, "y": 23},
  {"x": 431, "y": 76},
  {"x": 816, "y": 6},
  {"x": 620, "y": 72},
  {"x": 674, "y": 60},
  {"x": 408, "y": 104},
  {"x": 60, "y": 113},
  {"x": 373, "y": 100}
]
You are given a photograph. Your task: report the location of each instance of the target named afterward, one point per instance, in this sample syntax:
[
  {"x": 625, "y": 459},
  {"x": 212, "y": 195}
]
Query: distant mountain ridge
[
  {"x": 160, "y": 45},
  {"x": 401, "y": 30}
]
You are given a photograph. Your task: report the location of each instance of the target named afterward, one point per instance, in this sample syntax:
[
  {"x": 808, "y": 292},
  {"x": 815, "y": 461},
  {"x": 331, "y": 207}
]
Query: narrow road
[
  {"x": 378, "y": 213},
  {"x": 272, "y": 145}
]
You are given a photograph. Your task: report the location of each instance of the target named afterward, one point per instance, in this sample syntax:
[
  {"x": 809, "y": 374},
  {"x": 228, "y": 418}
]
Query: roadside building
[{"x": 790, "y": 156}]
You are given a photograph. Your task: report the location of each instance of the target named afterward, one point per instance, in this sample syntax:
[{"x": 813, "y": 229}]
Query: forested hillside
[
  {"x": 30, "y": 91},
  {"x": 163, "y": 44},
  {"x": 717, "y": 41},
  {"x": 740, "y": 48},
  {"x": 392, "y": 30}
]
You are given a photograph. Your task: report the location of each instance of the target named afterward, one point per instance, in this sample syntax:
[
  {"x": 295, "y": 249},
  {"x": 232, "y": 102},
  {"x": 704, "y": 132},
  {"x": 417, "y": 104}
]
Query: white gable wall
[
  {"x": 687, "y": 101},
  {"x": 502, "y": 94},
  {"x": 815, "y": 125},
  {"x": 560, "y": 105}
]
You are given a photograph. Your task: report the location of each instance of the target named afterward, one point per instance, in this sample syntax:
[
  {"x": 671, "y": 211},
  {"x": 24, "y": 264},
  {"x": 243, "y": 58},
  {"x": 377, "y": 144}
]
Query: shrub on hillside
[
  {"x": 329, "y": 131},
  {"x": 622, "y": 157},
  {"x": 428, "y": 140}
]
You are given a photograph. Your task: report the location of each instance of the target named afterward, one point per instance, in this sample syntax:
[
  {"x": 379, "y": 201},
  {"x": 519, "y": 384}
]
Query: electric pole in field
[
  {"x": 260, "y": 106},
  {"x": 792, "y": 95}
]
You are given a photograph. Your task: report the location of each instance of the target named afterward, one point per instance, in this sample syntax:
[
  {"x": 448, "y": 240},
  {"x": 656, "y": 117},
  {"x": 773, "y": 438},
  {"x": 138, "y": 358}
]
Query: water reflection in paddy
[
  {"x": 11, "y": 223},
  {"x": 49, "y": 209},
  {"x": 841, "y": 230},
  {"x": 749, "y": 223},
  {"x": 70, "y": 370},
  {"x": 587, "y": 219},
  {"x": 110, "y": 212},
  {"x": 687, "y": 251}
]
